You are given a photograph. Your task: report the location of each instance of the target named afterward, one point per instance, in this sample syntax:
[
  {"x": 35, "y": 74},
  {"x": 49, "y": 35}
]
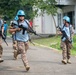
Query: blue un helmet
[
  {"x": 20, "y": 13},
  {"x": 16, "y": 18},
  {"x": 66, "y": 18}
]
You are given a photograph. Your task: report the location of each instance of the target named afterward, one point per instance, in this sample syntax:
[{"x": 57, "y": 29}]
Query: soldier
[
  {"x": 14, "y": 37},
  {"x": 66, "y": 39},
  {"x": 1, "y": 33},
  {"x": 22, "y": 39}
]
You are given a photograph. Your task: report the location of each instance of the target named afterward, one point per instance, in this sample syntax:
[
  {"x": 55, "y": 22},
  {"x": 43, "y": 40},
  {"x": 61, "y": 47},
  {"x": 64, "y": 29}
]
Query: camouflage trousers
[
  {"x": 15, "y": 46},
  {"x": 65, "y": 46},
  {"x": 22, "y": 49},
  {"x": 1, "y": 48}
]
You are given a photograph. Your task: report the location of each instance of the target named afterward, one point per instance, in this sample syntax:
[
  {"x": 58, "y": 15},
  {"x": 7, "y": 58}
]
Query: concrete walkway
[{"x": 43, "y": 61}]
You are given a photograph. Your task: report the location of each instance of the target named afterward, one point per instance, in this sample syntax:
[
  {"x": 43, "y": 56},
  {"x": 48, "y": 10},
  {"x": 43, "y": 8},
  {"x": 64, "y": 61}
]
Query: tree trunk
[{"x": 54, "y": 24}]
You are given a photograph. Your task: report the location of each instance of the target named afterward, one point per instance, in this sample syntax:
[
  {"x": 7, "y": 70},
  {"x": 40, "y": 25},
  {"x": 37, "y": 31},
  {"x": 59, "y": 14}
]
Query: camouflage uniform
[
  {"x": 14, "y": 41},
  {"x": 22, "y": 49},
  {"x": 66, "y": 47},
  {"x": 15, "y": 48},
  {"x": 21, "y": 36}
]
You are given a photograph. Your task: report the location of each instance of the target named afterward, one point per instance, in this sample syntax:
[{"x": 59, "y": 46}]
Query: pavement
[{"x": 42, "y": 60}]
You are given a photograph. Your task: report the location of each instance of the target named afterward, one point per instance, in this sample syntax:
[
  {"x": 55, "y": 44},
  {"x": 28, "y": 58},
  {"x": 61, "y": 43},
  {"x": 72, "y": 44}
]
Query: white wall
[
  {"x": 37, "y": 24},
  {"x": 49, "y": 25},
  {"x": 45, "y": 24}
]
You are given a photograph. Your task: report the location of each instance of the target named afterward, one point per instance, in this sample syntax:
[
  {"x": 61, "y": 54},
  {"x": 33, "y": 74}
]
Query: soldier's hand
[
  {"x": 59, "y": 33},
  {"x": 13, "y": 32},
  {"x": 18, "y": 29}
]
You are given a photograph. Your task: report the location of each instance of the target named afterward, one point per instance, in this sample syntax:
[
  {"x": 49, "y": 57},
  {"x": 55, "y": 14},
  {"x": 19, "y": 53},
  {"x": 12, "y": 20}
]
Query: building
[
  {"x": 67, "y": 7},
  {"x": 46, "y": 25}
]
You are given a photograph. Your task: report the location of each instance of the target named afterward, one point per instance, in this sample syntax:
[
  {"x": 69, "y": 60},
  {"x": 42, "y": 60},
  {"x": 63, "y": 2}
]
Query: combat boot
[
  {"x": 68, "y": 61},
  {"x": 64, "y": 61},
  {"x": 27, "y": 67},
  {"x": 1, "y": 60}
]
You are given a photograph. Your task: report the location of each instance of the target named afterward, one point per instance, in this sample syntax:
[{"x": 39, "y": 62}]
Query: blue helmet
[
  {"x": 66, "y": 18},
  {"x": 21, "y": 12},
  {"x": 16, "y": 18}
]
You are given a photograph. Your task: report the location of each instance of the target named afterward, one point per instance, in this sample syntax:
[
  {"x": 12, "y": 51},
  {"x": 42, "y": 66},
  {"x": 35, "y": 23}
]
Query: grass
[{"x": 54, "y": 42}]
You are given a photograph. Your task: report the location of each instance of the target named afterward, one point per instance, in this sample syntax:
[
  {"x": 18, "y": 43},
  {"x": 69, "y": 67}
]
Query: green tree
[
  {"x": 46, "y": 6},
  {"x": 10, "y": 7}
]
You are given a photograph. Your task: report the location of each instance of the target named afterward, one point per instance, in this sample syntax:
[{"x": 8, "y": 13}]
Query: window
[{"x": 59, "y": 20}]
